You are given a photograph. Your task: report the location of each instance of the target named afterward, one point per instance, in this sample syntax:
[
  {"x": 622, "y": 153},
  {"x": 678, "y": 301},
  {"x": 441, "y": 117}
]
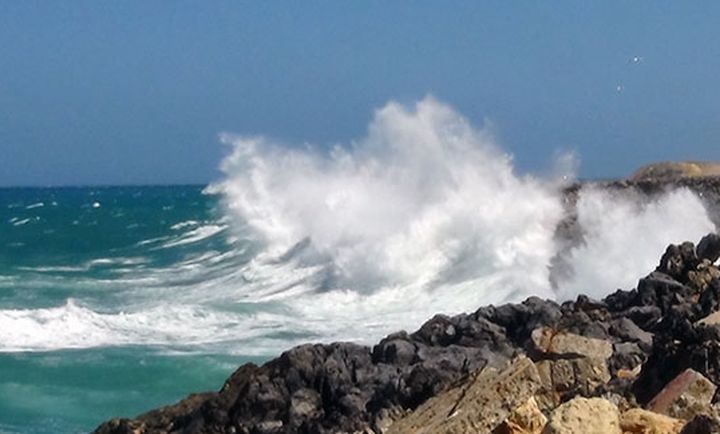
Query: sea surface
[
  {"x": 115, "y": 300},
  {"x": 86, "y": 330}
]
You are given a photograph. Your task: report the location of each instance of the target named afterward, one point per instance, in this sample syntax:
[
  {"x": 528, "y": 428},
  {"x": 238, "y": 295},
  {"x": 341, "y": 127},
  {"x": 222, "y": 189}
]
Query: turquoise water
[
  {"x": 117, "y": 300},
  {"x": 86, "y": 275}
]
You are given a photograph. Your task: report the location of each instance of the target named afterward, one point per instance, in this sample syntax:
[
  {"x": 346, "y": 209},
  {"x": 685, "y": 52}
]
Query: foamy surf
[{"x": 425, "y": 214}]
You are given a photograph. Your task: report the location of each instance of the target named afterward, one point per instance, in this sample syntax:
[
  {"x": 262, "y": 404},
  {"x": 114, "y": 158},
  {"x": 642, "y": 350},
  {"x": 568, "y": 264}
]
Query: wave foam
[{"x": 424, "y": 215}]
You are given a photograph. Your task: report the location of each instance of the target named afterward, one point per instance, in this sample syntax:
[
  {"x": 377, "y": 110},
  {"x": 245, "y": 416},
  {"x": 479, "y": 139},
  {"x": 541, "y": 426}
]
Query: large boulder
[
  {"x": 479, "y": 404},
  {"x": 582, "y": 415}
]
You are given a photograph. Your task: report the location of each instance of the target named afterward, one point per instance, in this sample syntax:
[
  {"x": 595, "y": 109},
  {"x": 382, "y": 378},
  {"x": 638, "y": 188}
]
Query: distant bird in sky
[{"x": 636, "y": 59}]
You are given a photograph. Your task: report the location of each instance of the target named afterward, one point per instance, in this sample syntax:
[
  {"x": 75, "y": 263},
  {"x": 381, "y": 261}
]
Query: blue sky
[{"x": 118, "y": 92}]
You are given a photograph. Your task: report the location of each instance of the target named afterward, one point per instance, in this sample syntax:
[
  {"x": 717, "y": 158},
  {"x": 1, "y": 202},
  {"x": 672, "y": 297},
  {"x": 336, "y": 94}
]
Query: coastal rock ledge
[{"x": 640, "y": 361}]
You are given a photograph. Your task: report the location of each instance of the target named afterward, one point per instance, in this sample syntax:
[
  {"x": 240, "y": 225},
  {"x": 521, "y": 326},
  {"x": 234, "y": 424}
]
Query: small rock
[
  {"x": 582, "y": 415},
  {"x": 709, "y": 248},
  {"x": 639, "y": 421},
  {"x": 553, "y": 342},
  {"x": 526, "y": 419},
  {"x": 684, "y": 396},
  {"x": 627, "y": 330},
  {"x": 710, "y": 320}
]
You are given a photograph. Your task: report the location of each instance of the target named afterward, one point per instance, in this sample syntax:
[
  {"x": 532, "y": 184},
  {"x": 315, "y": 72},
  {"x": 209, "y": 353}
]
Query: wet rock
[
  {"x": 626, "y": 348},
  {"x": 582, "y": 415},
  {"x": 678, "y": 260},
  {"x": 709, "y": 248}
]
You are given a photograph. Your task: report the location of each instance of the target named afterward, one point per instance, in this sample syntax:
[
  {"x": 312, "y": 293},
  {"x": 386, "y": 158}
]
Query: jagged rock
[
  {"x": 678, "y": 260},
  {"x": 525, "y": 419},
  {"x": 639, "y": 421},
  {"x": 709, "y": 248},
  {"x": 625, "y": 329},
  {"x": 582, "y": 415},
  {"x": 707, "y": 422},
  {"x": 675, "y": 170},
  {"x": 685, "y": 396},
  {"x": 569, "y": 377},
  {"x": 558, "y": 343},
  {"x": 627, "y": 356},
  {"x": 479, "y": 404},
  {"x": 582, "y": 348},
  {"x": 703, "y": 275}
]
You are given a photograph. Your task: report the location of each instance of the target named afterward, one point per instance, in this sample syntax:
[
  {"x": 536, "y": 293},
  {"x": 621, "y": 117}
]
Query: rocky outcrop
[
  {"x": 480, "y": 404},
  {"x": 672, "y": 171},
  {"x": 499, "y": 369}
]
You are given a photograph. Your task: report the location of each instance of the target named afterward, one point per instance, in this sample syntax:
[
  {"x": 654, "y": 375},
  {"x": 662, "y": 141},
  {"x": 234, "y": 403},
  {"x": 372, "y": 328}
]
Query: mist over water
[{"x": 424, "y": 215}]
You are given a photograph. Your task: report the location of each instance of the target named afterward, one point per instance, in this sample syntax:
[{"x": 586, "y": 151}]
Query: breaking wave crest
[{"x": 424, "y": 215}]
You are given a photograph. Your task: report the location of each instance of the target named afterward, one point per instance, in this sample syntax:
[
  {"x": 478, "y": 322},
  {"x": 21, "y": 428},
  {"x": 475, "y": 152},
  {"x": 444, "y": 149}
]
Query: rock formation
[{"x": 640, "y": 361}]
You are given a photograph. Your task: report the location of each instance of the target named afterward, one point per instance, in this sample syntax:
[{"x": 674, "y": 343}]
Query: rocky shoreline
[
  {"x": 640, "y": 361},
  {"x": 648, "y": 357}
]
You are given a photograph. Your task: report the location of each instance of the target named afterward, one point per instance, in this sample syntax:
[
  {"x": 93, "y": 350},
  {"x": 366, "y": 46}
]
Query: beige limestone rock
[
  {"x": 670, "y": 170},
  {"x": 685, "y": 396},
  {"x": 478, "y": 405},
  {"x": 639, "y": 421},
  {"x": 583, "y": 415},
  {"x": 526, "y": 419},
  {"x": 550, "y": 341},
  {"x": 569, "y": 375},
  {"x": 712, "y": 319}
]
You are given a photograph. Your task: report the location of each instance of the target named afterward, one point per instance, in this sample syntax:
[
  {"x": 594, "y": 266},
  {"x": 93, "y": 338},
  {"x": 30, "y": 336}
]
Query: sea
[{"x": 117, "y": 300}]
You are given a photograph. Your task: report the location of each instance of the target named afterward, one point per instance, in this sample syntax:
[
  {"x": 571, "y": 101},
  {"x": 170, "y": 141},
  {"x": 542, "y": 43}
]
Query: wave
[
  {"x": 77, "y": 326},
  {"x": 424, "y": 215},
  {"x": 195, "y": 235}
]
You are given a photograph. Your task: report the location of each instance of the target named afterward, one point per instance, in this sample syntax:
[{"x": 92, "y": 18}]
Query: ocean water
[{"x": 115, "y": 300}]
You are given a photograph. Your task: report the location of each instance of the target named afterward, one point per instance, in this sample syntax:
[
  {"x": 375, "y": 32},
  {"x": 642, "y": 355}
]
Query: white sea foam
[
  {"x": 625, "y": 236},
  {"x": 21, "y": 222},
  {"x": 35, "y": 205},
  {"x": 184, "y": 224},
  {"x": 195, "y": 235},
  {"x": 76, "y": 326},
  {"x": 424, "y": 215}
]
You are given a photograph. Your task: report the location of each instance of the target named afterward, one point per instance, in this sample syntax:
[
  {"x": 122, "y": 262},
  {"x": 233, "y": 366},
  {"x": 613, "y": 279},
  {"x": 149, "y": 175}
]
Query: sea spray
[{"x": 424, "y": 215}]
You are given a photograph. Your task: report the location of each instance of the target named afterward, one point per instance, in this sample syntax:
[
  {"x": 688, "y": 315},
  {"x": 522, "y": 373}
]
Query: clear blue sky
[{"x": 117, "y": 92}]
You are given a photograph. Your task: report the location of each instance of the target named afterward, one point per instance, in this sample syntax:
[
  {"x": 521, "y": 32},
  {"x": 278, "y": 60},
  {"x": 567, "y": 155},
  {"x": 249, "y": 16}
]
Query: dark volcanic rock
[{"x": 584, "y": 347}]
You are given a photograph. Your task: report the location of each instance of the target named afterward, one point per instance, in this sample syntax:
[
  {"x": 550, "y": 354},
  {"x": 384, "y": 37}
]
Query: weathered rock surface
[
  {"x": 626, "y": 348},
  {"x": 480, "y": 404},
  {"x": 684, "y": 396},
  {"x": 582, "y": 415},
  {"x": 525, "y": 419},
  {"x": 672, "y": 170},
  {"x": 639, "y": 421}
]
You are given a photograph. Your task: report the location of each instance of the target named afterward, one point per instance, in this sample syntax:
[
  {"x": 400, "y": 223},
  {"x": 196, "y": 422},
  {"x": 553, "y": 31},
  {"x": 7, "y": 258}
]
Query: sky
[{"x": 137, "y": 92}]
